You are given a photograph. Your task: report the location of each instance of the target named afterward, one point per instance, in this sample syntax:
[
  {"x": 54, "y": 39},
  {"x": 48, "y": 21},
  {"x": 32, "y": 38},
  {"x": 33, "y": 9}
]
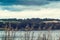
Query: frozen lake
[{"x": 30, "y": 35}]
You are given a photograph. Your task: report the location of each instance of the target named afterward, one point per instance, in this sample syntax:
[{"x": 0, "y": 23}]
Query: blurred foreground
[{"x": 30, "y": 35}]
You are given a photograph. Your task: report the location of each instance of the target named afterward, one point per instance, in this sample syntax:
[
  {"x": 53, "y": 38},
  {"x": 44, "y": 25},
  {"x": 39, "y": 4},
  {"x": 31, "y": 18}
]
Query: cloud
[
  {"x": 17, "y": 8},
  {"x": 43, "y": 13},
  {"x": 23, "y": 2},
  {"x": 53, "y": 5},
  {"x": 29, "y": 9},
  {"x": 51, "y": 10},
  {"x": 21, "y": 5}
]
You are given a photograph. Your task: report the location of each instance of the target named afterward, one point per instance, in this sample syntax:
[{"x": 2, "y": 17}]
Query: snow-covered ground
[{"x": 30, "y": 35}]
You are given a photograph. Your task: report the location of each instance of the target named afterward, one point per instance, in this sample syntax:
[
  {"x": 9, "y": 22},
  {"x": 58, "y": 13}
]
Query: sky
[{"x": 30, "y": 9}]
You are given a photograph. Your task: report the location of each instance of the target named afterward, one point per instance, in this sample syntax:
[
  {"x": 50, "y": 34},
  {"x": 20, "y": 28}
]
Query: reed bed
[{"x": 27, "y": 35}]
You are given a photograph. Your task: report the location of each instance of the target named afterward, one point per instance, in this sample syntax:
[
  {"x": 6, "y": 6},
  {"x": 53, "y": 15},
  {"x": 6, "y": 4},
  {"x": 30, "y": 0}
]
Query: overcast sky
[{"x": 30, "y": 9}]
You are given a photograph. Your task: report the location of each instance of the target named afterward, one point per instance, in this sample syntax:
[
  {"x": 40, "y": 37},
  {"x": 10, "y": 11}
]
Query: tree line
[{"x": 31, "y": 24}]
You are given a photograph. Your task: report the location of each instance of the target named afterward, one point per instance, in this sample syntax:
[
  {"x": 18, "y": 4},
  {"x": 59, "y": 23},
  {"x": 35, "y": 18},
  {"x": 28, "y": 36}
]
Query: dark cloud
[
  {"x": 7, "y": 2},
  {"x": 23, "y": 2}
]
